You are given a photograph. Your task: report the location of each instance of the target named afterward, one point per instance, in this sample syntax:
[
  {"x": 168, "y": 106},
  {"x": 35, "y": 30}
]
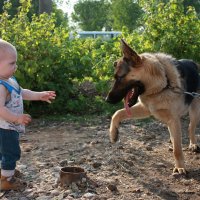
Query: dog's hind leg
[
  {"x": 174, "y": 126},
  {"x": 138, "y": 111},
  {"x": 194, "y": 114}
]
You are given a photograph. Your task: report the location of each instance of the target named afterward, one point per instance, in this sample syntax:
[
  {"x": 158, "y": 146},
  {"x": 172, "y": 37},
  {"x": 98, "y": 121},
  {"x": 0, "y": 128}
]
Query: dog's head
[{"x": 127, "y": 75}]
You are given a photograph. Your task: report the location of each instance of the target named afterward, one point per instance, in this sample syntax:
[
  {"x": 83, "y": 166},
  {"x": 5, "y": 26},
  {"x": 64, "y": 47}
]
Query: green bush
[
  {"x": 168, "y": 29},
  {"x": 49, "y": 60}
]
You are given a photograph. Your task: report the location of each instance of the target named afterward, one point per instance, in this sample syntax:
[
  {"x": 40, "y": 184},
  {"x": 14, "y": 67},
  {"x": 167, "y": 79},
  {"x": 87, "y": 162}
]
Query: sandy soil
[{"x": 138, "y": 167}]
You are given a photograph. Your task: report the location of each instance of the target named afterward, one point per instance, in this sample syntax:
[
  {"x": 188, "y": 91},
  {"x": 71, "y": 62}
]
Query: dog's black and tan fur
[{"x": 159, "y": 81}]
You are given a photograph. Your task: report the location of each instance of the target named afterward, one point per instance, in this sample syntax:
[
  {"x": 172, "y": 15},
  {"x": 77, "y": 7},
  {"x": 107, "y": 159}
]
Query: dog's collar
[
  {"x": 168, "y": 86},
  {"x": 174, "y": 89}
]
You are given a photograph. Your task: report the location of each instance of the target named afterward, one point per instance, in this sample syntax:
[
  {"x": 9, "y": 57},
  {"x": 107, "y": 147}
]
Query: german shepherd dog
[{"x": 164, "y": 86}]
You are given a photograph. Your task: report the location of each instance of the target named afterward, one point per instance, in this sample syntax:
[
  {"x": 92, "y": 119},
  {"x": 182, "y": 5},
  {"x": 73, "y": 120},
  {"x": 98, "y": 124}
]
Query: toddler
[{"x": 12, "y": 119}]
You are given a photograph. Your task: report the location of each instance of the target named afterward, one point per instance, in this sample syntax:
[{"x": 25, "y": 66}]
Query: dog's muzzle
[{"x": 116, "y": 95}]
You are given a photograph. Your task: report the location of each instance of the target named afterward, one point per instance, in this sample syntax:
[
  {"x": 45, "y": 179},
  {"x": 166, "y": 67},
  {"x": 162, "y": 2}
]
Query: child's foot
[{"x": 11, "y": 183}]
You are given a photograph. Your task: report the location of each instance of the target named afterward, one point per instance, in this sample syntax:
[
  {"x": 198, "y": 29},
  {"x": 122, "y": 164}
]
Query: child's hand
[
  {"x": 47, "y": 96},
  {"x": 23, "y": 119}
]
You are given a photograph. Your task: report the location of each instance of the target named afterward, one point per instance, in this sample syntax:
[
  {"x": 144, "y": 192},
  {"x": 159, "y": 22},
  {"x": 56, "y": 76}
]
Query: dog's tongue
[{"x": 126, "y": 100}]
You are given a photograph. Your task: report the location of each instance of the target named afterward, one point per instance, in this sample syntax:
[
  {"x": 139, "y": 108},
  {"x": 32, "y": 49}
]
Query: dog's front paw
[
  {"x": 181, "y": 171},
  {"x": 114, "y": 134},
  {"x": 194, "y": 148}
]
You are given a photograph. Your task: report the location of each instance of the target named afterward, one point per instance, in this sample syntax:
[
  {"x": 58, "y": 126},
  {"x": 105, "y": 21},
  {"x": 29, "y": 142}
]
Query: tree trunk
[{"x": 45, "y": 6}]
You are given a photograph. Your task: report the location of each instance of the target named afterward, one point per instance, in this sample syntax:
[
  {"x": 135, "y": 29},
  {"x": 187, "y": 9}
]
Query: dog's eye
[
  {"x": 119, "y": 78},
  {"x": 115, "y": 64}
]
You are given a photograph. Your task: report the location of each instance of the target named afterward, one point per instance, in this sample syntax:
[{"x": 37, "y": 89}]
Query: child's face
[{"x": 8, "y": 64}]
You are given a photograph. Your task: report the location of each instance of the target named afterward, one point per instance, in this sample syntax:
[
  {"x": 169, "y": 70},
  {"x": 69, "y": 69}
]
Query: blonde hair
[{"x": 6, "y": 48}]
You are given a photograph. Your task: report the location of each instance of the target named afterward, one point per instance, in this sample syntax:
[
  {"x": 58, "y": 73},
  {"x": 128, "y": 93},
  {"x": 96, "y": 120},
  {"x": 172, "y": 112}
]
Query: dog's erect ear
[{"x": 129, "y": 53}]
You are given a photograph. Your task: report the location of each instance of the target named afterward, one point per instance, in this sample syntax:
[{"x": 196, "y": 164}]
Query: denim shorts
[{"x": 10, "y": 150}]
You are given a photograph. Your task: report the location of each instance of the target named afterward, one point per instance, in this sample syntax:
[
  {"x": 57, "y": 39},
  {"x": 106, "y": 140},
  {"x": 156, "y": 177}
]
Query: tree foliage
[
  {"x": 169, "y": 29},
  {"x": 49, "y": 60},
  {"x": 91, "y": 15},
  {"x": 116, "y": 14},
  {"x": 125, "y": 13},
  {"x": 45, "y": 6},
  {"x": 193, "y": 3},
  {"x": 108, "y": 15},
  {"x": 61, "y": 17}
]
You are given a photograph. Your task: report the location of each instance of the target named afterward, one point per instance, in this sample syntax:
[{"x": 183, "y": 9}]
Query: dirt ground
[{"x": 138, "y": 167}]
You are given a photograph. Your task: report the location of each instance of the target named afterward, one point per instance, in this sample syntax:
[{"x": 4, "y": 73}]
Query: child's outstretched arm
[
  {"x": 47, "y": 96},
  {"x": 7, "y": 115}
]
